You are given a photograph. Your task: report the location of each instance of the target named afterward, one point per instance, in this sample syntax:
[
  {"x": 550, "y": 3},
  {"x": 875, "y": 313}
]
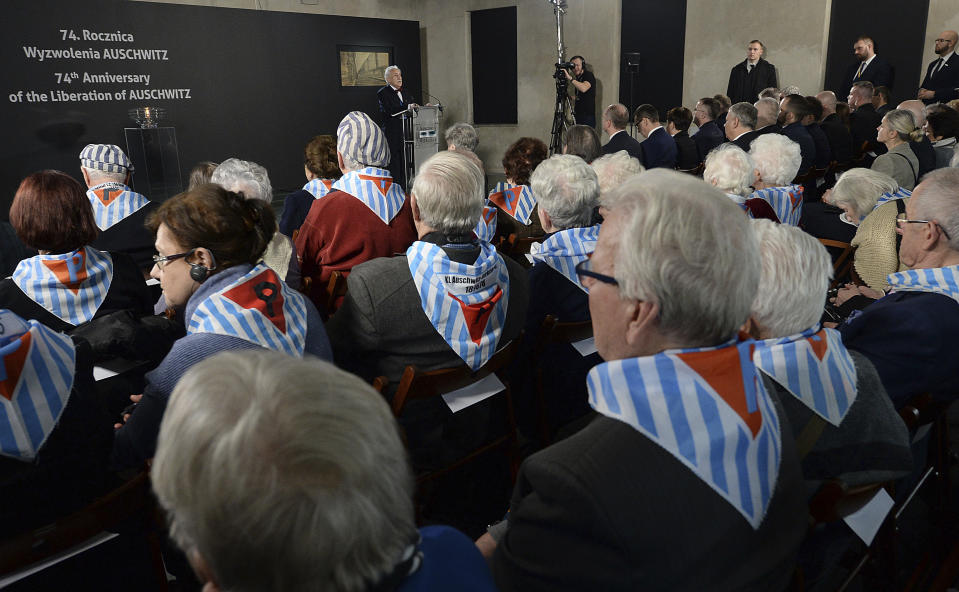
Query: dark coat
[
  {"x": 390, "y": 103},
  {"x": 839, "y": 138},
  {"x": 798, "y": 134},
  {"x": 708, "y": 137},
  {"x": 623, "y": 141},
  {"x": 130, "y": 236},
  {"x": 659, "y": 150},
  {"x": 945, "y": 83},
  {"x": 862, "y": 125},
  {"x": 823, "y": 151},
  {"x": 878, "y": 72},
  {"x": 686, "y": 151},
  {"x": 746, "y": 86},
  {"x": 744, "y": 140}
]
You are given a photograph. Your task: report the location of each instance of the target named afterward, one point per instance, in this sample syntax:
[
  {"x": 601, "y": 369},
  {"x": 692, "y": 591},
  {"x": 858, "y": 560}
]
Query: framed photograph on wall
[{"x": 363, "y": 65}]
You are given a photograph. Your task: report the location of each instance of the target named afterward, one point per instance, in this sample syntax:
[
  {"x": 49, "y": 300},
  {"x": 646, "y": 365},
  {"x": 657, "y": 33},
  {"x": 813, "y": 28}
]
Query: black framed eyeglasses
[
  {"x": 901, "y": 219},
  {"x": 161, "y": 260},
  {"x": 584, "y": 269}
]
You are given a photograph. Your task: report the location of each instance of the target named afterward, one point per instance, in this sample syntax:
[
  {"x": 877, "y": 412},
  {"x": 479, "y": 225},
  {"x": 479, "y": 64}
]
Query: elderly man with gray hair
[
  {"x": 741, "y": 124},
  {"x": 609, "y": 507},
  {"x": 615, "y": 120},
  {"x": 731, "y": 170},
  {"x": 258, "y": 501},
  {"x": 461, "y": 136},
  {"x": 777, "y": 161},
  {"x": 845, "y": 423},
  {"x": 392, "y": 99},
  {"x": 366, "y": 215},
  {"x": 253, "y": 182},
  {"x": 767, "y": 116},
  {"x": 120, "y": 213}
]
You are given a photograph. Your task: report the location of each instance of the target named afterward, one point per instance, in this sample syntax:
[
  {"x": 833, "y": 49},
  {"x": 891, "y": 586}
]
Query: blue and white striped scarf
[
  {"x": 894, "y": 195},
  {"x": 258, "y": 307},
  {"x": 466, "y": 304},
  {"x": 515, "y": 200},
  {"x": 319, "y": 187},
  {"x": 565, "y": 249},
  {"x": 36, "y": 377},
  {"x": 815, "y": 367},
  {"x": 71, "y": 286},
  {"x": 708, "y": 408},
  {"x": 786, "y": 202},
  {"x": 112, "y": 202},
  {"x": 486, "y": 227},
  {"x": 938, "y": 280},
  {"x": 375, "y": 188}
]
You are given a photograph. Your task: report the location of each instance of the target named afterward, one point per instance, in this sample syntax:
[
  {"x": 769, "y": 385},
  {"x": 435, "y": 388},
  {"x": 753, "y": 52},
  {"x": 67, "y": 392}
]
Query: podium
[
  {"x": 156, "y": 162},
  {"x": 420, "y": 137}
]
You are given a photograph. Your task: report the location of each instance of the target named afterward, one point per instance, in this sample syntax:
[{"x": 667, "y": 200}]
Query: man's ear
[
  {"x": 643, "y": 322},
  {"x": 751, "y": 327},
  {"x": 339, "y": 162},
  {"x": 86, "y": 176},
  {"x": 416, "y": 208},
  {"x": 126, "y": 180},
  {"x": 203, "y": 571},
  {"x": 544, "y": 218}
]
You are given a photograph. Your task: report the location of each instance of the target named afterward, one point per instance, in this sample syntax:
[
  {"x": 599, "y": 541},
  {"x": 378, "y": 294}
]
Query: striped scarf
[
  {"x": 815, "y": 367},
  {"x": 939, "y": 280},
  {"x": 319, "y": 187},
  {"x": 257, "y": 307},
  {"x": 376, "y": 189},
  {"x": 465, "y": 303},
  {"x": 71, "y": 286},
  {"x": 786, "y": 202},
  {"x": 565, "y": 249},
  {"x": 515, "y": 200},
  {"x": 708, "y": 408},
  {"x": 112, "y": 202},
  {"x": 486, "y": 227},
  {"x": 36, "y": 377},
  {"x": 893, "y": 195}
]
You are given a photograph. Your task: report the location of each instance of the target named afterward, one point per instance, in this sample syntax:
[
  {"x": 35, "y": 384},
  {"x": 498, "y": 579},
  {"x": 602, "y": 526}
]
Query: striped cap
[
  {"x": 359, "y": 138},
  {"x": 105, "y": 157}
]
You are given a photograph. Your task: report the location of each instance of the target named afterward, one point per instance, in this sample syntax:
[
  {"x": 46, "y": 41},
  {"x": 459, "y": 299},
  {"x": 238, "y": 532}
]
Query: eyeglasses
[
  {"x": 160, "y": 260},
  {"x": 901, "y": 219},
  {"x": 942, "y": 41},
  {"x": 584, "y": 269}
]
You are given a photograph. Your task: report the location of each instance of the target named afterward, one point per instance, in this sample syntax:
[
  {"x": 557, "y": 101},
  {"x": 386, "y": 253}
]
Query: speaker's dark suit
[
  {"x": 623, "y": 141},
  {"x": 390, "y": 103},
  {"x": 945, "y": 83},
  {"x": 746, "y": 86},
  {"x": 878, "y": 72},
  {"x": 687, "y": 154},
  {"x": 744, "y": 140},
  {"x": 659, "y": 150}
]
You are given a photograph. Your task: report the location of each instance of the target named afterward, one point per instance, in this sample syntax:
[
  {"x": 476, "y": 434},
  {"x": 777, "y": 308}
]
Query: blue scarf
[
  {"x": 465, "y": 303},
  {"x": 376, "y": 189},
  {"x": 786, "y": 202},
  {"x": 486, "y": 227},
  {"x": 893, "y": 195},
  {"x": 258, "y": 307},
  {"x": 938, "y": 280},
  {"x": 71, "y": 286},
  {"x": 708, "y": 408},
  {"x": 515, "y": 200},
  {"x": 112, "y": 202},
  {"x": 815, "y": 367},
  {"x": 565, "y": 249},
  {"x": 319, "y": 187},
  {"x": 36, "y": 377}
]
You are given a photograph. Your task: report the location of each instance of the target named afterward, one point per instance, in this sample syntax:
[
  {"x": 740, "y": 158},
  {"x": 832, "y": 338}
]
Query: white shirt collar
[
  {"x": 869, "y": 61},
  {"x": 741, "y": 135},
  {"x": 653, "y": 130},
  {"x": 946, "y": 57},
  {"x": 616, "y": 132}
]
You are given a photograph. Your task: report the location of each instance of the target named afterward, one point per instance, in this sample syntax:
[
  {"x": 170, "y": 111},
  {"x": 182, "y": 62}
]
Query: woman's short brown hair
[
  {"x": 201, "y": 173},
  {"x": 522, "y": 158},
  {"x": 320, "y": 157},
  {"x": 236, "y": 230},
  {"x": 51, "y": 212}
]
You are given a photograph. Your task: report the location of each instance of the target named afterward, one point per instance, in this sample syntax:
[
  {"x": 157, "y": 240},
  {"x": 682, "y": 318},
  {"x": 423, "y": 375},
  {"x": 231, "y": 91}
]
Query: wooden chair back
[
  {"x": 335, "y": 290},
  {"x": 843, "y": 266},
  {"x": 552, "y": 332}
]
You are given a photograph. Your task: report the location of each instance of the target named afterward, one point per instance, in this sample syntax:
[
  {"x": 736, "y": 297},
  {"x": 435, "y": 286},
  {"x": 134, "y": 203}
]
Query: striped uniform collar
[
  {"x": 376, "y": 189},
  {"x": 708, "y": 408},
  {"x": 893, "y": 195},
  {"x": 466, "y": 304},
  {"x": 785, "y": 201},
  {"x": 565, "y": 249},
  {"x": 486, "y": 227},
  {"x": 113, "y": 202},
  {"x": 71, "y": 286},
  {"x": 515, "y": 200},
  {"x": 815, "y": 367},
  {"x": 937, "y": 280},
  {"x": 36, "y": 377},
  {"x": 319, "y": 187},
  {"x": 257, "y": 307}
]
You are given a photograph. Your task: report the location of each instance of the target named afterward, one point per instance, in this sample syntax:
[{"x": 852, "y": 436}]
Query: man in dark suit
[
  {"x": 709, "y": 135},
  {"x": 792, "y": 110},
  {"x": 741, "y": 124},
  {"x": 677, "y": 125},
  {"x": 837, "y": 134},
  {"x": 639, "y": 498},
  {"x": 868, "y": 66},
  {"x": 811, "y": 122},
  {"x": 941, "y": 83},
  {"x": 393, "y": 99},
  {"x": 863, "y": 119},
  {"x": 923, "y": 149},
  {"x": 767, "y": 116},
  {"x": 658, "y": 150},
  {"x": 880, "y": 100},
  {"x": 615, "y": 118},
  {"x": 752, "y": 75}
]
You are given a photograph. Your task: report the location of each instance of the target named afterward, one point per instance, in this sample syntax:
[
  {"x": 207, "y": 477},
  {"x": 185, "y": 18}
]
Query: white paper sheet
[
  {"x": 866, "y": 521},
  {"x": 470, "y": 395},
  {"x": 585, "y": 347},
  {"x": 99, "y": 373}
]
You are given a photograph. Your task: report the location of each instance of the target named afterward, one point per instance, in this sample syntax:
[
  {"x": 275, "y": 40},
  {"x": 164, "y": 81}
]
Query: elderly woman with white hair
[
  {"x": 777, "y": 161},
  {"x": 730, "y": 169},
  {"x": 253, "y": 182},
  {"x": 897, "y": 129},
  {"x": 871, "y": 200}
]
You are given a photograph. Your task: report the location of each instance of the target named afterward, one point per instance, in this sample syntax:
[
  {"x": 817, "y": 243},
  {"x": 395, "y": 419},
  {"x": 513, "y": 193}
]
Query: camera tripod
[{"x": 561, "y": 122}]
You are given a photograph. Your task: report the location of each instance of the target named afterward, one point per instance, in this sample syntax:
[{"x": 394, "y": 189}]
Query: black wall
[
  {"x": 896, "y": 28},
  {"x": 493, "y": 47},
  {"x": 657, "y": 30},
  {"x": 262, "y": 83}
]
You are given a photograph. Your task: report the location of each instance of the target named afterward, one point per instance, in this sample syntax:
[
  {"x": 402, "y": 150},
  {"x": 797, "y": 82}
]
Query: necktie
[
  {"x": 749, "y": 68},
  {"x": 862, "y": 67},
  {"x": 938, "y": 67}
]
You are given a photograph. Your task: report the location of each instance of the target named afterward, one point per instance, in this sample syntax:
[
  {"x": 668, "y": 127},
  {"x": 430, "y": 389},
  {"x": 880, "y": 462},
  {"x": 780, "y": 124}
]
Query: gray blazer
[{"x": 901, "y": 164}]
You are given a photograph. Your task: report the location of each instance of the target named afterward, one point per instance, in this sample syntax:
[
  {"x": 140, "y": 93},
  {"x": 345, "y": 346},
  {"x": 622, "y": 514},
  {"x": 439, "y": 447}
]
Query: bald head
[
  {"x": 918, "y": 110},
  {"x": 946, "y": 42},
  {"x": 617, "y": 115},
  {"x": 828, "y": 100}
]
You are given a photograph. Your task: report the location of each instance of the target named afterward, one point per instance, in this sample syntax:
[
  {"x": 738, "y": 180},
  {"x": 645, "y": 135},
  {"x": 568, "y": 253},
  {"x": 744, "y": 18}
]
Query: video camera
[{"x": 558, "y": 73}]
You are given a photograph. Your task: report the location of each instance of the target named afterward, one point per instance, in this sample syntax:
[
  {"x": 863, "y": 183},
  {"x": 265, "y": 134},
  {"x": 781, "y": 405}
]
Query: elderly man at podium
[{"x": 393, "y": 98}]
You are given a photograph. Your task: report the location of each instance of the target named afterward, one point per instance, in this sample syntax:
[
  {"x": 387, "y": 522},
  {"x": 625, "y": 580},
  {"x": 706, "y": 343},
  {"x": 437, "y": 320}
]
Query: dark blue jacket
[
  {"x": 659, "y": 150},
  {"x": 798, "y": 134},
  {"x": 708, "y": 137}
]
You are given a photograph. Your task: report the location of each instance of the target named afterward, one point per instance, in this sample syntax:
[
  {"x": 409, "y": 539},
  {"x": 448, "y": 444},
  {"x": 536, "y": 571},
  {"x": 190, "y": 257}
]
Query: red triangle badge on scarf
[
  {"x": 721, "y": 369},
  {"x": 508, "y": 199},
  {"x": 261, "y": 293},
  {"x": 106, "y": 195},
  {"x": 477, "y": 315},
  {"x": 381, "y": 183},
  {"x": 12, "y": 365},
  {"x": 70, "y": 272}
]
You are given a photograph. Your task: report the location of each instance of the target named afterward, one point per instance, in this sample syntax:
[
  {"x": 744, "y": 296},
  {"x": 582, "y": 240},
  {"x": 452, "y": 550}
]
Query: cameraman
[{"x": 585, "y": 84}]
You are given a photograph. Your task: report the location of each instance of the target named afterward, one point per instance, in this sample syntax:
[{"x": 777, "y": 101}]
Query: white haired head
[
  {"x": 777, "y": 158},
  {"x": 857, "y": 191},
  {"x": 449, "y": 193},
  {"x": 243, "y": 176},
  {"x": 730, "y": 169},
  {"x": 613, "y": 169},
  {"x": 567, "y": 189}
]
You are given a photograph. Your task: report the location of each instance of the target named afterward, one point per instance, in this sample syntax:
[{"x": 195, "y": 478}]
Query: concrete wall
[
  {"x": 390, "y": 9},
  {"x": 943, "y": 16}
]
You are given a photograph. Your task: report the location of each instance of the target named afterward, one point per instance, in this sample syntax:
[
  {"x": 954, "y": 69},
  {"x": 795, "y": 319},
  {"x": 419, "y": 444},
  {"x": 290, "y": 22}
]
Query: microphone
[{"x": 439, "y": 103}]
